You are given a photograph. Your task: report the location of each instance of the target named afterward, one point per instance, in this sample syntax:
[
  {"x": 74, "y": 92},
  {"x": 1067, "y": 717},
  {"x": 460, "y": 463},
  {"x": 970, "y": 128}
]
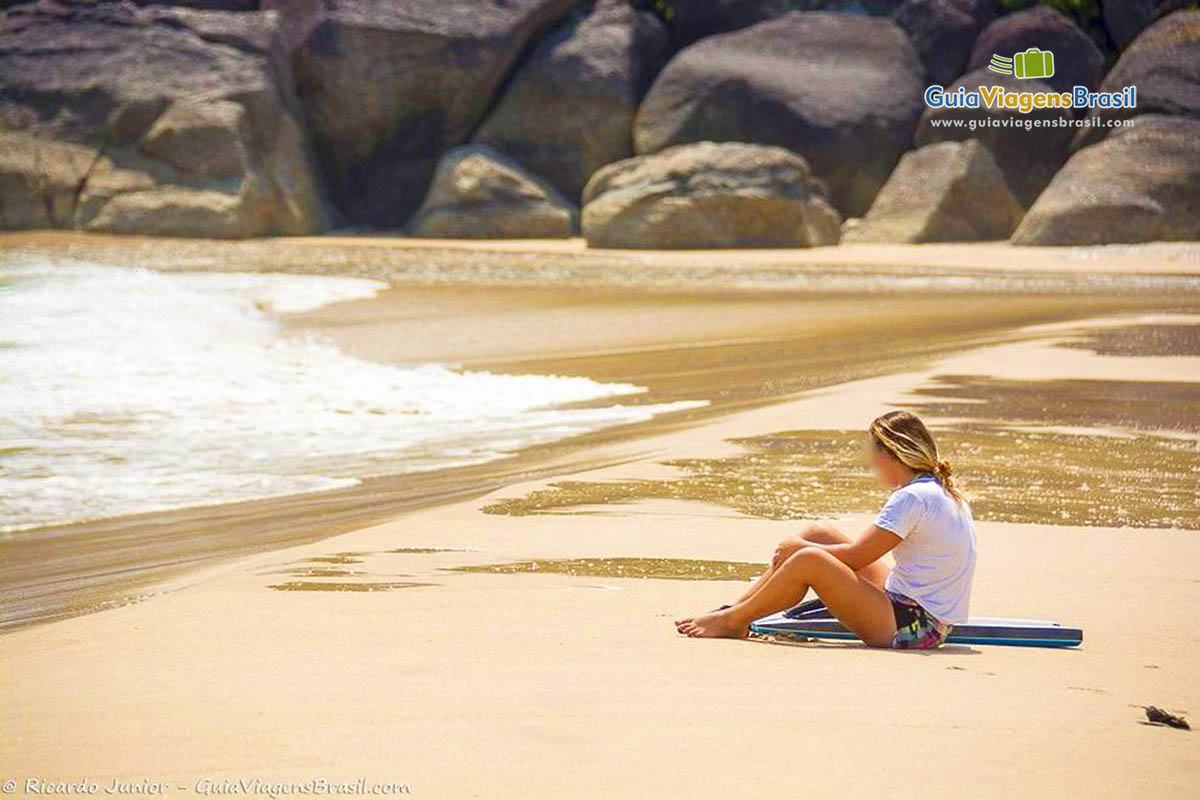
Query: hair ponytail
[
  {"x": 942, "y": 472},
  {"x": 902, "y": 435}
]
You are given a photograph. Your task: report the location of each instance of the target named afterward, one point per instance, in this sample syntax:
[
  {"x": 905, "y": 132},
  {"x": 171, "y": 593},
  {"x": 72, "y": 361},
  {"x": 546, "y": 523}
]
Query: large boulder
[
  {"x": 1164, "y": 64},
  {"x": 1125, "y": 19},
  {"x": 163, "y": 110},
  {"x": 207, "y": 5},
  {"x": 49, "y": 184},
  {"x": 1077, "y": 60},
  {"x": 943, "y": 32},
  {"x": 255, "y": 33},
  {"x": 40, "y": 181},
  {"x": 477, "y": 193},
  {"x": 175, "y": 212},
  {"x": 387, "y": 87},
  {"x": 1028, "y": 148},
  {"x": 843, "y": 91},
  {"x": 569, "y": 109},
  {"x": 707, "y": 195},
  {"x": 203, "y": 139},
  {"x": 944, "y": 192},
  {"x": 1141, "y": 184},
  {"x": 691, "y": 20}
]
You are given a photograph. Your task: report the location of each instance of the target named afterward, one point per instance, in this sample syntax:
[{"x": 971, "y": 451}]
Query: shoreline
[{"x": 738, "y": 350}]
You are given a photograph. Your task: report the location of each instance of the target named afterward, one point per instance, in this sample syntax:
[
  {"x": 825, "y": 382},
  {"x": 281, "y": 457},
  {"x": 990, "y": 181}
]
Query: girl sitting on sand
[{"x": 925, "y": 522}]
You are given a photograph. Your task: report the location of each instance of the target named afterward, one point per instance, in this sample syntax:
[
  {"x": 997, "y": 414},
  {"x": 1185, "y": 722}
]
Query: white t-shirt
[{"x": 935, "y": 561}]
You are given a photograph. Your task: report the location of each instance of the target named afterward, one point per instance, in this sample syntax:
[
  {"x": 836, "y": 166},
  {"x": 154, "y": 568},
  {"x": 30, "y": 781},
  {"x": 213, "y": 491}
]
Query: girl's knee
[
  {"x": 820, "y": 533},
  {"x": 812, "y": 558}
]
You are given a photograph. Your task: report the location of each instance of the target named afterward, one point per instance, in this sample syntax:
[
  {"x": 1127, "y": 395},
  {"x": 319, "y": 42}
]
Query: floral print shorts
[{"x": 916, "y": 628}]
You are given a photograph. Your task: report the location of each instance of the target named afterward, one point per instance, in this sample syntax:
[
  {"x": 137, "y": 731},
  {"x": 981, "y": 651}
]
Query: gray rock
[
  {"x": 387, "y": 87},
  {"x": 175, "y": 211},
  {"x": 202, "y": 139},
  {"x": 822, "y": 222},
  {"x": 1028, "y": 156},
  {"x": 943, "y": 32},
  {"x": 569, "y": 109},
  {"x": 1125, "y": 19},
  {"x": 843, "y": 91},
  {"x": 208, "y": 5},
  {"x": 254, "y": 33},
  {"x": 944, "y": 192},
  {"x": 707, "y": 195},
  {"x": 165, "y": 110},
  {"x": 40, "y": 181},
  {"x": 477, "y": 193},
  {"x": 692, "y": 20},
  {"x": 49, "y": 184},
  {"x": 1077, "y": 60},
  {"x": 1164, "y": 64},
  {"x": 1141, "y": 184}
]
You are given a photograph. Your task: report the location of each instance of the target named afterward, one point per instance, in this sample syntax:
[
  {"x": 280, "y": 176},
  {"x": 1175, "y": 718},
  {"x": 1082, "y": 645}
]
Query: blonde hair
[{"x": 902, "y": 435}]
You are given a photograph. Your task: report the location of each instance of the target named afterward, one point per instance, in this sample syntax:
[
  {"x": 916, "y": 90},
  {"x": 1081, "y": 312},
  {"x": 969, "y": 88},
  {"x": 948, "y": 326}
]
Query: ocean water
[{"x": 128, "y": 390}]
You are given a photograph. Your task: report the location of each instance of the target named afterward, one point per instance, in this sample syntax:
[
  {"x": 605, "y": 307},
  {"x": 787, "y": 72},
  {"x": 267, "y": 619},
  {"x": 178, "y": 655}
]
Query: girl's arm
[{"x": 863, "y": 551}]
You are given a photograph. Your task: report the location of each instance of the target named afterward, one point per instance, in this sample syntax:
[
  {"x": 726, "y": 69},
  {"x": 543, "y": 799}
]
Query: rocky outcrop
[
  {"x": 1141, "y": 184},
  {"x": 945, "y": 192},
  {"x": 171, "y": 211},
  {"x": 1164, "y": 64},
  {"x": 207, "y": 5},
  {"x": 255, "y": 33},
  {"x": 185, "y": 136},
  {"x": 1028, "y": 148},
  {"x": 569, "y": 109},
  {"x": 40, "y": 181},
  {"x": 388, "y": 87},
  {"x": 691, "y": 20},
  {"x": 843, "y": 91},
  {"x": 943, "y": 32},
  {"x": 477, "y": 193},
  {"x": 1077, "y": 60},
  {"x": 707, "y": 195},
  {"x": 1125, "y": 19}
]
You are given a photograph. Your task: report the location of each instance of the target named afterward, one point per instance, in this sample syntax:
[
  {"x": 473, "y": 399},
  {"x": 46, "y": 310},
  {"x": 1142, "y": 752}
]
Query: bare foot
[
  {"x": 679, "y": 622},
  {"x": 718, "y": 625}
]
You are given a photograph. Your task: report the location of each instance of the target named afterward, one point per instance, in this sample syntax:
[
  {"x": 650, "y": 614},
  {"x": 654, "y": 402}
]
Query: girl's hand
[{"x": 786, "y": 548}]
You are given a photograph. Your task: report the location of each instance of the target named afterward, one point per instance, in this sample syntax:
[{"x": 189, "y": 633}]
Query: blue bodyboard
[{"x": 813, "y": 621}]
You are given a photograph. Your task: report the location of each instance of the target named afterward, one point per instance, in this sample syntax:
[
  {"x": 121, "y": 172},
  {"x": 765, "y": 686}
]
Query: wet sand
[
  {"x": 735, "y": 346},
  {"x": 373, "y": 654}
]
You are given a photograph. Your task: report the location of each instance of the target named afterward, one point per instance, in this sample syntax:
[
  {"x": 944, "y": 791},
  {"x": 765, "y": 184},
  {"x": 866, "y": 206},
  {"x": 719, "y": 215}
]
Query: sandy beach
[{"x": 336, "y": 636}]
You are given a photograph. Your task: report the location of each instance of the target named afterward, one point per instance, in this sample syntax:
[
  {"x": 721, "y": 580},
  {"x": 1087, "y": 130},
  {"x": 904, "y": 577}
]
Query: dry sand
[{"x": 481, "y": 685}]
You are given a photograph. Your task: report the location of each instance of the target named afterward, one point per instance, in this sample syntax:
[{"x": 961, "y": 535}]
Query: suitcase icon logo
[{"x": 1033, "y": 63}]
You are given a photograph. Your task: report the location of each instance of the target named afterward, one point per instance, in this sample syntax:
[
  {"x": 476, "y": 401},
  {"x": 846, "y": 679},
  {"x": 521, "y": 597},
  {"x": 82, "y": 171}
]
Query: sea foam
[{"x": 128, "y": 390}]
